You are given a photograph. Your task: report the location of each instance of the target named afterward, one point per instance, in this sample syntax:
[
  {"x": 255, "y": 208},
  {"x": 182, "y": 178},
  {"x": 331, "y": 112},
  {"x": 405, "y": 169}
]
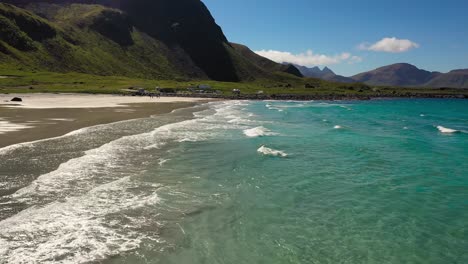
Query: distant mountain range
[
  {"x": 325, "y": 74},
  {"x": 400, "y": 74}
]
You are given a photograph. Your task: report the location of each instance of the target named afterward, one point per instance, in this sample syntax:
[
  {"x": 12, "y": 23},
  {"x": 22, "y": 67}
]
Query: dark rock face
[
  {"x": 17, "y": 99},
  {"x": 291, "y": 69},
  {"x": 115, "y": 26},
  {"x": 188, "y": 24}
]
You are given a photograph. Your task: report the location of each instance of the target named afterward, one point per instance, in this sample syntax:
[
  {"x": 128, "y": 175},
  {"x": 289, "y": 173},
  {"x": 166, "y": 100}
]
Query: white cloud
[
  {"x": 355, "y": 59},
  {"x": 392, "y": 45},
  {"x": 308, "y": 58}
]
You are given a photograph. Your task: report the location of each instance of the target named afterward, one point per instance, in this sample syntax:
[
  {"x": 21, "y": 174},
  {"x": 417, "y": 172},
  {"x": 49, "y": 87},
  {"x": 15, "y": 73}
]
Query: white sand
[{"x": 45, "y": 101}]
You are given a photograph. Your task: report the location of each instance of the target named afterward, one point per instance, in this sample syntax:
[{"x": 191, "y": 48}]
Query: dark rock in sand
[{"x": 17, "y": 99}]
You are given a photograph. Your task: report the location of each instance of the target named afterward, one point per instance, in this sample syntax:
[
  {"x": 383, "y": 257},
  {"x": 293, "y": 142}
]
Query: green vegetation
[
  {"x": 20, "y": 81},
  {"x": 89, "y": 39},
  {"x": 12, "y": 34}
]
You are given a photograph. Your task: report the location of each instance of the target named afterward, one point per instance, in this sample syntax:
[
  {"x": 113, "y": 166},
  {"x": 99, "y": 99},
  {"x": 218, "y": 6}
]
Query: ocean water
[{"x": 381, "y": 181}]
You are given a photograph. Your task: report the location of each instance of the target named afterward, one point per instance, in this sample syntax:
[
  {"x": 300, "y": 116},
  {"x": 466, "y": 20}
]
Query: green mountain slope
[
  {"x": 265, "y": 63},
  {"x": 161, "y": 39}
]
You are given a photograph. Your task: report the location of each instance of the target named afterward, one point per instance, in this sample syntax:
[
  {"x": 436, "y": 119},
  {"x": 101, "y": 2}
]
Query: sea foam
[
  {"x": 79, "y": 229},
  {"x": 258, "y": 132},
  {"x": 446, "y": 130},
  {"x": 71, "y": 210},
  {"x": 271, "y": 152}
]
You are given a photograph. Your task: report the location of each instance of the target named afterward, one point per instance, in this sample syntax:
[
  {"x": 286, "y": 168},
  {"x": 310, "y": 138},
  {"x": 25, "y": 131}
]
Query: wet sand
[{"x": 19, "y": 125}]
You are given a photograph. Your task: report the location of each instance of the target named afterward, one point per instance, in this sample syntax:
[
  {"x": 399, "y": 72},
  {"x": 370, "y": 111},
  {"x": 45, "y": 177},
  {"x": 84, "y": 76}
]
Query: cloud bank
[
  {"x": 308, "y": 58},
  {"x": 392, "y": 45}
]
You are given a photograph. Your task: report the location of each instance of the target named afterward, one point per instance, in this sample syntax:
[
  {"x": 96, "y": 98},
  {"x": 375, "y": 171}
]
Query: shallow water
[{"x": 246, "y": 182}]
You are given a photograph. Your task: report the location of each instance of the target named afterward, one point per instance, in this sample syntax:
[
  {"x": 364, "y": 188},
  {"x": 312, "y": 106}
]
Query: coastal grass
[{"x": 16, "y": 80}]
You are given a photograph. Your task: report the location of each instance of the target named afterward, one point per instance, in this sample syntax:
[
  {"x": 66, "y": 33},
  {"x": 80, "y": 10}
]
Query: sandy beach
[
  {"x": 42, "y": 116},
  {"x": 50, "y": 101}
]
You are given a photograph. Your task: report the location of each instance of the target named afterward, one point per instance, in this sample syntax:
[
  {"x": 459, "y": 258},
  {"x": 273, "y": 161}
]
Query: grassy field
[{"x": 19, "y": 81}]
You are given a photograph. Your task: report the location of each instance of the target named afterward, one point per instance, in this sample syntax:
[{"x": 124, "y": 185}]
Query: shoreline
[
  {"x": 119, "y": 100},
  {"x": 33, "y": 122},
  {"x": 41, "y": 116},
  {"x": 329, "y": 97}
]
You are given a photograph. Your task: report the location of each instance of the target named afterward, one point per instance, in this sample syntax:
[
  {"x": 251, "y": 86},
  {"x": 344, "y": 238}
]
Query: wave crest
[
  {"x": 258, "y": 132},
  {"x": 271, "y": 152},
  {"x": 446, "y": 130}
]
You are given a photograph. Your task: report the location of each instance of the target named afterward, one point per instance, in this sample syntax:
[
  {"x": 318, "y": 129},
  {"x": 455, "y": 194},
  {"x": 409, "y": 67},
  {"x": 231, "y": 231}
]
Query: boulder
[{"x": 17, "y": 99}]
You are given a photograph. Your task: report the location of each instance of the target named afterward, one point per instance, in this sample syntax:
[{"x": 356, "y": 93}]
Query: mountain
[
  {"x": 453, "y": 79},
  {"x": 325, "y": 74},
  {"x": 265, "y": 63},
  {"x": 159, "y": 39},
  {"x": 400, "y": 74},
  {"x": 404, "y": 74}
]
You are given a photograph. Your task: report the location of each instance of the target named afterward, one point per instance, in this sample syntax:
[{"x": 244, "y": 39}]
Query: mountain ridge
[
  {"x": 325, "y": 74},
  {"x": 162, "y": 39},
  {"x": 398, "y": 74}
]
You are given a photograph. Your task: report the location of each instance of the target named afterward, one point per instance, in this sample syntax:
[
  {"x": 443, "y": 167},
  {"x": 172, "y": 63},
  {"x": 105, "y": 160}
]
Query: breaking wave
[
  {"x": 271, "y": 152},
  {"x": 446, "y": 130},
  {"x": 258, "y": 132}
]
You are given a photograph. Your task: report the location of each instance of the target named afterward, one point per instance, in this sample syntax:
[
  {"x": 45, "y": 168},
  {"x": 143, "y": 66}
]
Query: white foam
[
  {"x": 337, "y": 127},
  {"x": 271, "y": 152},
  {"x": 271, "y": 107},
  {"x": 81, "y": 174},
  {"x": 68, "y": 221},
  {"x": 258, "y": 132},
  {"x": 8, "y": 149},
  {"x": 346, "y": 107},
  {"x": 323, "y": 104},
  {"x": 446, "y": 130},
  {"x": 78, "y": 230},
  {"x": 161, "y": 161}
]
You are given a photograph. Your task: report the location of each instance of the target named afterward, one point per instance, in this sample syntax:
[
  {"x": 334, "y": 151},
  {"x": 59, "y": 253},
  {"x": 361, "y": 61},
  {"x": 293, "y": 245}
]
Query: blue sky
[{"x": 350, "y": 36}]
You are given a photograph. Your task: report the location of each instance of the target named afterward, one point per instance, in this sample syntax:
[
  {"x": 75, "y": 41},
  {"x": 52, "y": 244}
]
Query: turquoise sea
[{"x": 380, "y": 181}]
